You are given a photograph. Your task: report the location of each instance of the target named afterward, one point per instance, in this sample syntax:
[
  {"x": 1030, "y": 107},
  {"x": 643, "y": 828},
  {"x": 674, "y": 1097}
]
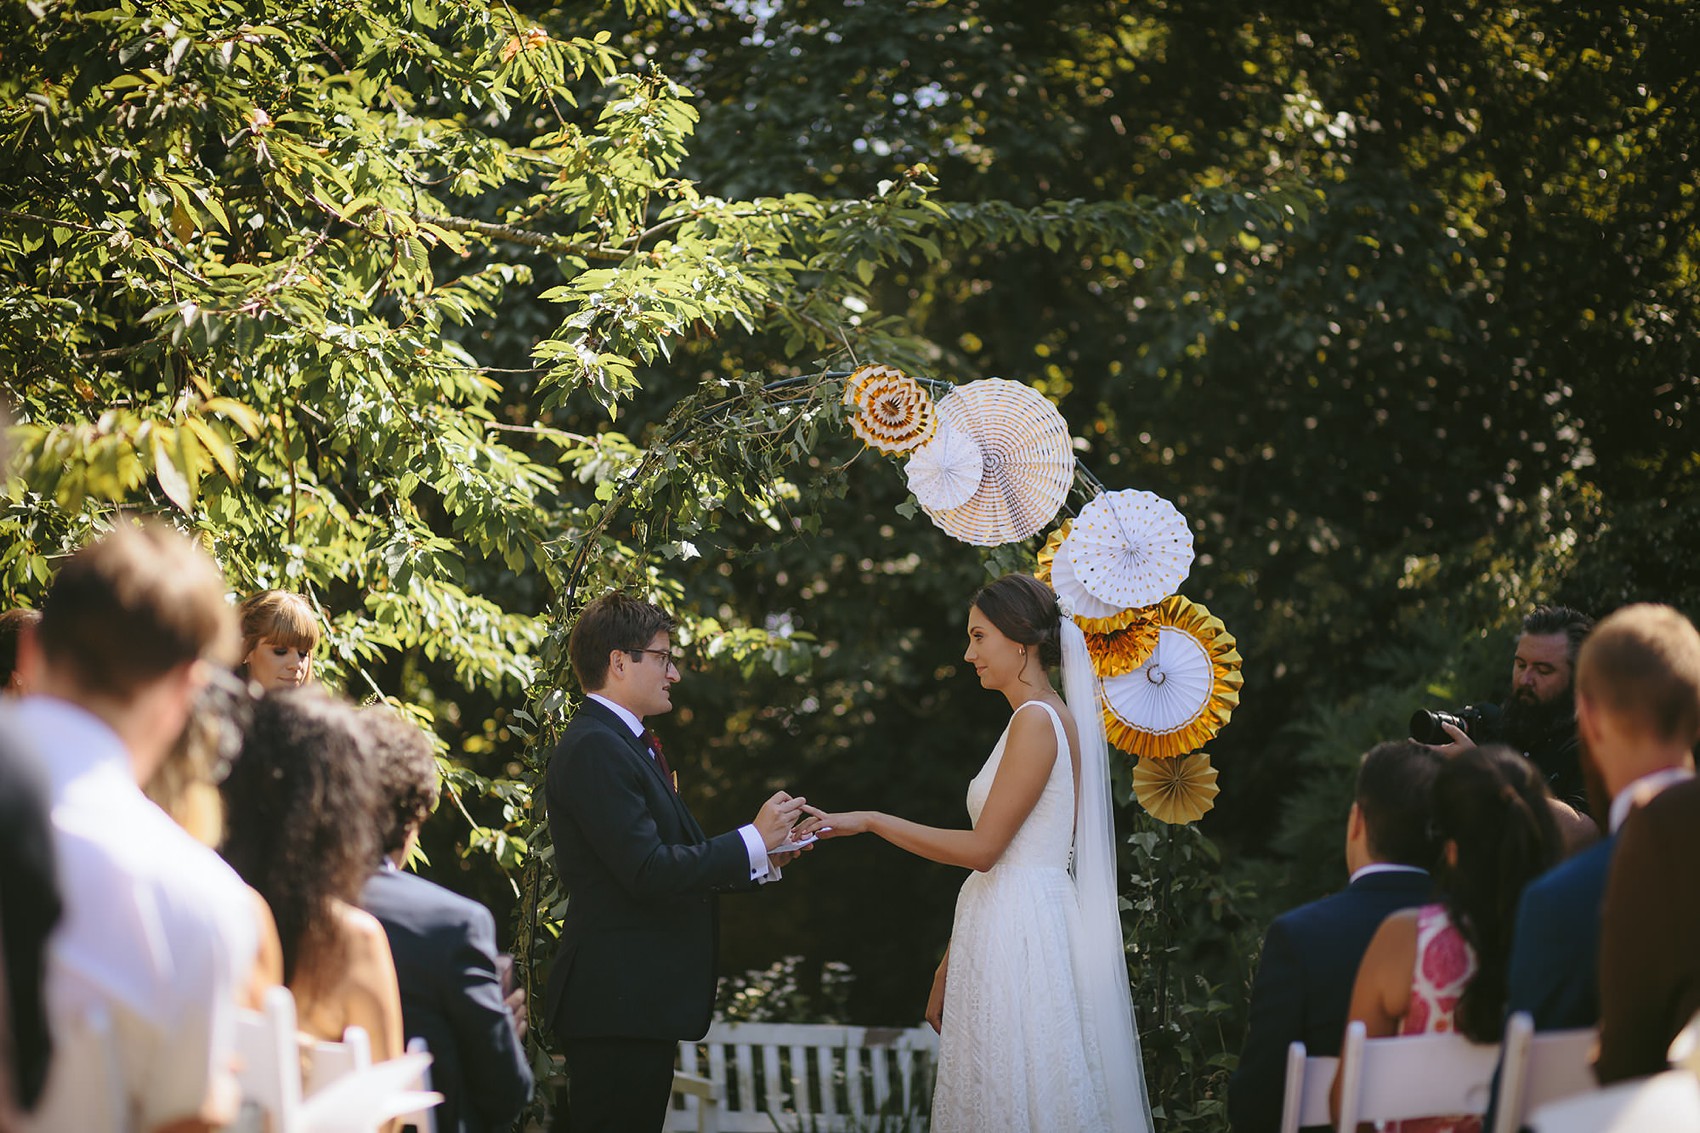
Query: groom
[{"x": 635, "y": 969}]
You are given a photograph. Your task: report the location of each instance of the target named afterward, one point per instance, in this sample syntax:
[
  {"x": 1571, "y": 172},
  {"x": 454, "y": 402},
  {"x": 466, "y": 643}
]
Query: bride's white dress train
[{"x": 1019, "y": 1046}]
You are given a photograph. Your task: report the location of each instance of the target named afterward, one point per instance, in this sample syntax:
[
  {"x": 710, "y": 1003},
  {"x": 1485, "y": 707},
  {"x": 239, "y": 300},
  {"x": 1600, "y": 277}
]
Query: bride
[{"x": 1031, "y": 1001}]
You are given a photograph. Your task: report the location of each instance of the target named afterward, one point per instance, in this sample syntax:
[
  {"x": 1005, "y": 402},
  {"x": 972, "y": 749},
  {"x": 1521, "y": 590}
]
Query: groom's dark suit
[{"x": 636, "y": 959}]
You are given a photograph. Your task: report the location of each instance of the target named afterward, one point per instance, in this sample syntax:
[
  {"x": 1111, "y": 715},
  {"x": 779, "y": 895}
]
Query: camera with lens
[{"x": 1478, "y": 721}]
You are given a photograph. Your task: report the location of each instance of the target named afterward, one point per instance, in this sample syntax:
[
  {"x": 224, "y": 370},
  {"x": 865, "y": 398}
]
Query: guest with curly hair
[{"x": 300, "y": 800}]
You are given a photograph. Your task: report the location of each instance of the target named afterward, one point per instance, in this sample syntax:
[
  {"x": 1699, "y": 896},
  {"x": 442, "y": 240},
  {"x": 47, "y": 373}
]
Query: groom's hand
[{"x": 776, "y": 817}]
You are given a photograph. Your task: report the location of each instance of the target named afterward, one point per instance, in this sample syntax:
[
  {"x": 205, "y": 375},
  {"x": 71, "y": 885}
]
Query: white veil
[{"x": 1102, "y": 953}]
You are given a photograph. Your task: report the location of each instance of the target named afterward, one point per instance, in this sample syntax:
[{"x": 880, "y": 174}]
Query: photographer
[{"x": 1539, "y": 717}]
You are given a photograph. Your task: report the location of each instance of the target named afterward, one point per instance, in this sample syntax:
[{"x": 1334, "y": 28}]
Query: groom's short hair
[
  {"x": 612, "y": 622},
  {"x": 1395, "y": 793}
]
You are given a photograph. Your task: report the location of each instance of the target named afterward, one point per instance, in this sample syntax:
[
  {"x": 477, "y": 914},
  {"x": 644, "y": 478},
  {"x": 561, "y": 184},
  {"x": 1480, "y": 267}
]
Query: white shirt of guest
[
  {"x": 1643, "y": 789},
  {"x": 158, "y": 931},
  {"x": 761, "y": 867}
]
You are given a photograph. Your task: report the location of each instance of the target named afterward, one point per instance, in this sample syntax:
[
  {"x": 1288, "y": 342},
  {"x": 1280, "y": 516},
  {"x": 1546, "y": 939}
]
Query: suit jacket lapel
[{"x": 641, "y": 751}]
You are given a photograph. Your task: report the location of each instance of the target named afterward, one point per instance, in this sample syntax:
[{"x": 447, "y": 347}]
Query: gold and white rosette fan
[
  {"x": 891, "y": 411},
  {"x": 1176, "y": 791},
  {"x": 1129, "y": 548},
  {"x": 944, "y": 473},
  {"x": 1179, "y": 698},
  {"x": 1090, "y": 612},
  {"x": 1026, "y": 462}
]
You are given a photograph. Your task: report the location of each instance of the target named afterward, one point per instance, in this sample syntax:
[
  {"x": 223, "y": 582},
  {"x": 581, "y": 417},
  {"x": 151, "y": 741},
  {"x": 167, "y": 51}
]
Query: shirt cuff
[{"x": 761, "y": 868}]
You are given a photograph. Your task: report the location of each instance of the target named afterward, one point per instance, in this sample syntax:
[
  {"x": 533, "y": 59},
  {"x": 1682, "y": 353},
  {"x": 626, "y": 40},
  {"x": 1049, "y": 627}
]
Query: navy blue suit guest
[
  {"x": 1635, "y": 694},
  {"x": 1631, "y": 684},
  {"x": 1310, "y": 955},
  {"x": 445, "y": 949}
]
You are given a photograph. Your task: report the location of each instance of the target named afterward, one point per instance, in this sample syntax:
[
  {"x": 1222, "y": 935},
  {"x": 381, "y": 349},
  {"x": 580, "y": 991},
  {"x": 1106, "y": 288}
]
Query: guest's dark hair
[
  {"x": 300, "y": 802},
  {"x": 1492, "y": 804},
  {"x": 612, "y": 622},
  {"x": 405, "y": 768},
  {"x": 12, "y": 623},
  {"x": 132, "y": 606},
  {"x": 1543, "y": 621},
  {"x": 1025, "y": 611},
  {"x": 1394, "y": 793}
]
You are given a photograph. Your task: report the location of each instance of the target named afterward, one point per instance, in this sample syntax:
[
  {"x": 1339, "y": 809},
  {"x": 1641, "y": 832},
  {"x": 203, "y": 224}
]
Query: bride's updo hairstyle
[{"x": 1025, "y": 611}]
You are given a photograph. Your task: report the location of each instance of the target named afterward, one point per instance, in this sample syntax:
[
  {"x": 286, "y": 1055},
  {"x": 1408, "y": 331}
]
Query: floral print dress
[{"x": 1445, "y": 963}]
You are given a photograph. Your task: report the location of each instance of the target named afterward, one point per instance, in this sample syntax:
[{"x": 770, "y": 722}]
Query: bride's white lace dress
[{"x": 1016, "y": 1049}]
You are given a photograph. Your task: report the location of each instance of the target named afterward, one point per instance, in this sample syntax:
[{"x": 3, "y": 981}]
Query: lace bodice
[{"x": 1047, "y": 837}]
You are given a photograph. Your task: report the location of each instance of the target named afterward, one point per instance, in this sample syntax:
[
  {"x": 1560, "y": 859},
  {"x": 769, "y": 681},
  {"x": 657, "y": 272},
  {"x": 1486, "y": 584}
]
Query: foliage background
[{"x": 452, "y": 316}]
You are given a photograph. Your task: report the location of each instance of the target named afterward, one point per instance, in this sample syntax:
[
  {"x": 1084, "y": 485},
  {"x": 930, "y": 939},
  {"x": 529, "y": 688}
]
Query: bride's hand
[
  {"x": 935, "y": 999},
  {"x": 828, "y": 825}
]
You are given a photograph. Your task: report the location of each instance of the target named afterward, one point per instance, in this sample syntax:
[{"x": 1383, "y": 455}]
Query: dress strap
[{"x": 1056, "y": 722}]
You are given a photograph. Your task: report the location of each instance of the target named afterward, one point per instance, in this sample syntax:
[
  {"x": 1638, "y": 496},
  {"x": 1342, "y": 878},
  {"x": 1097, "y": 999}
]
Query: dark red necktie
[{"x": 653, "y": 742}]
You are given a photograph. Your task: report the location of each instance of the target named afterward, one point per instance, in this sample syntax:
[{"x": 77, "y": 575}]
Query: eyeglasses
[{"x": 667, "y": 657}]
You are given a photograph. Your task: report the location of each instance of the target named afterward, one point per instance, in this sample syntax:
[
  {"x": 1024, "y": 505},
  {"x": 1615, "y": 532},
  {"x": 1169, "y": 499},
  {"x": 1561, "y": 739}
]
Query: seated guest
[
  {"x": 300, "y": 800},
  {"x": 1311, "y": 954},
  {"x": 12, "y": 626},
  {"x": 280, "y": 630},
  {"x": 1638, "y": 713},
  {"x": 1650, "y": 943},
  {"x": 444, "y": 947},
  {"x": 158, "y": 932},
  {"x": 185, "y": 786},
  {"x": 1441, "y": 967},
  {"x": 29, "y": 908},
  {"x": 1650, "y": 940}
]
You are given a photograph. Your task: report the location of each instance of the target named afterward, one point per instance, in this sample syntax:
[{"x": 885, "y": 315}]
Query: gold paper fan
[
  {"x": 1182, "y": 694},
  {"x": 1090, "y": 613},
  {"x": 1176, "y": 790},
  {"x": 1123, "y": 650},
  {"x": 893, "y": 413}
]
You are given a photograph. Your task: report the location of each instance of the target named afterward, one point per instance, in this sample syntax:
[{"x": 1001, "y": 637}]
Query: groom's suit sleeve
[{"x": 614, "y": 804}]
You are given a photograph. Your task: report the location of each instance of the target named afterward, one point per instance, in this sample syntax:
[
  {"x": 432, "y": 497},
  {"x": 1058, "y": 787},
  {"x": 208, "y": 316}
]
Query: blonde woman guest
[{"x": 280, "y": 630}]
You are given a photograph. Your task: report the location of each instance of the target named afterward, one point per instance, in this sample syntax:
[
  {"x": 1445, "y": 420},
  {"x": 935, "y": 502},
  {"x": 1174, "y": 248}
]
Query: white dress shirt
[
  {"x": 1643, "y": 789},
  {"x": 761, "y": 866},
  {"x": 158, "y": 931}
]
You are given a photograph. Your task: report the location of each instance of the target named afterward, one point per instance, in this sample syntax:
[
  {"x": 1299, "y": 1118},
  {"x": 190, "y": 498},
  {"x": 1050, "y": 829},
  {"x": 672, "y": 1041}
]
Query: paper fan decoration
[
  {"x": 1026, "y": 462},
  {"x": 1123, "y": 650},
  {"x": 1183, "y": 693},
  {"x": 1090, "y": 613},
  {"x": 1176, "y": 790},
  {"x": 1130, "y": 548},
  {"x": 892, "y": 412},
  {"x": 945, "y": 472}
]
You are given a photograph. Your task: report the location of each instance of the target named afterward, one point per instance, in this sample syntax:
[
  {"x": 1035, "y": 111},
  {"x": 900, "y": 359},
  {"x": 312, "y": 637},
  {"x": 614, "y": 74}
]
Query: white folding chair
[
  {"x": 1540, "y": 1068},
  {"x": 1309, "y": 1080},
  {"x": 85, "y": 1087},
  {"x": 331, "y": 1061},
  {"x": 1409, "y": 1076},
  {"x": 424, "y": 1120},
  {"x": 347, "y": 1093},
  {"x": 269, "y": 1061},
  {"x": 1664, "y": 1103}
]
